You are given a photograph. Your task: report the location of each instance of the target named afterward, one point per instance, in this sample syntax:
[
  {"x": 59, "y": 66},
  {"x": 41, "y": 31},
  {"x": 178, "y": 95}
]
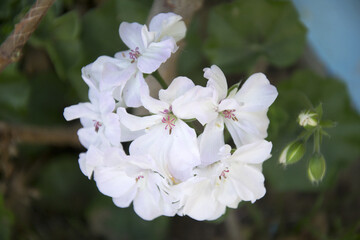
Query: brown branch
[
  {"x": 39, "y": 135},
  {"x": 10, "y": 49}
]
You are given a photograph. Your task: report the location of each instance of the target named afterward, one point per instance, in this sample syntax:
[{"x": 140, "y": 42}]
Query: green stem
[
  {"x": 161, "y": 81},
  {"x": 317, "y": 140}
]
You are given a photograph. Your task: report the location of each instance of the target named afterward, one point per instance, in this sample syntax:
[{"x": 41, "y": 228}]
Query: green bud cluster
[{"x": 313, "y": 127}]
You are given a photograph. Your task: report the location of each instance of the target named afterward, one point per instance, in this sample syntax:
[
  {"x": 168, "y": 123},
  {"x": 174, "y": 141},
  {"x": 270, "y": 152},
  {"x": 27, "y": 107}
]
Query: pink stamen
[
  {"x": 97, "y": 125},
  {"x": 167, "y": 111},
  {"x": 223, "y": 173},
  {"x": 134, "y": 54},
  {"x": 138, "y": 178},
  {"x": 229, "y": 114},
  {"x": 169, "y": 121}
]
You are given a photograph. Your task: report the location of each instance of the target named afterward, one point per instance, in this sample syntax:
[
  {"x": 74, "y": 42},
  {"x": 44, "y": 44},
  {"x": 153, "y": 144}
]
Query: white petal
[
  {"x": 135, "y": 123},
  {"x": 106, "y": 103},
  {"x": 131, "y": 35},
  {"x": 257, "y": 93},
  {"x": 156, "y": 143},
  {"x": 127, "y": 135},
  {"x": 113, "y": 181},
  {"x": 178, "y": 87},
  {"x": 217, "y": 80},
  {"x": 147, "y": 205},
  {"x": 107, "y": 72},
  {"x": 147, "y": 37},
  {"x": 248, "y": 182},
  {"x": 153, "y": 105},
  {"x": 132, "y": 90},
  {"x": 113, "y": 76},
  {"x": 80, "y": 110},
  {"x": 210, "y": 141},
  {"x": 113, "y": 128},
  {"x": 83, "y": 167},
  {"x": 226, "y": 194},
  {"x": 201, "y": 204},
  {"x": 94, "y": 156},
  {"x": 87, "y": 136},
  {"x": 156, "y": 54},
  {"x": 125, "y": 200},
  {"x": 250, "y": 127},
  {"x": 196, "y": 103},
  {"x": 168, "y": 24},
  {"x": 184, "y": 153},
  {"x": 229, "y": 104},
  {"x": 253, "y": 153}
]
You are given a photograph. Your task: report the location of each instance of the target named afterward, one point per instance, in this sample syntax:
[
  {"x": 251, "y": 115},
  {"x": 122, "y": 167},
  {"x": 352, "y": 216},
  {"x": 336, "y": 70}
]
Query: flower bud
[
  {"x": 292, "y": 153},
  {"x": 316, "y": 168},
  {"x": 308, "y": 119}
]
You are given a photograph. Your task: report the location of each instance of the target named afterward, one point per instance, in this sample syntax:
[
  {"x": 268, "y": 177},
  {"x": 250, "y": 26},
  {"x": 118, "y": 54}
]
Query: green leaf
[
  {"x": 100, "y": 35},
  {"x": 341, "y": 149},
  {"x": 242, "y": 32},
  {"x": 14, "y": 91},
  {"x": 112, "y": 222},
  {"x": 63, "y": 187},
  {"x": 6, "y": 221},
  {"x": 60, "y": 37},
  {"x": 66, "y": 27}
]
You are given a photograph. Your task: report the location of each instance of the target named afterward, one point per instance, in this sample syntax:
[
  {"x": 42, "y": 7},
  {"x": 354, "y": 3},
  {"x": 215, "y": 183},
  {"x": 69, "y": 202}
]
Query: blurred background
[{"x": 306, "y": 48}]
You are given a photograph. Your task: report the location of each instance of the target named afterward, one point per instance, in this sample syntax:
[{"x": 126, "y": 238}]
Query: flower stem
[{"x": 161, "y": 81}]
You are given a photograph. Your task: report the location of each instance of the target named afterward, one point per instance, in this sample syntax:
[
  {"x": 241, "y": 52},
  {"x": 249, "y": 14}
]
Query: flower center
[
  {"x": 134, "y": 54},
  {"x": 223, "y": 173},
  {"x": 169, "y": 119},
  {"x": 229, "y": 114},
  {"x": 97, "y": 125},
  {"x": 139, "y": 177}
]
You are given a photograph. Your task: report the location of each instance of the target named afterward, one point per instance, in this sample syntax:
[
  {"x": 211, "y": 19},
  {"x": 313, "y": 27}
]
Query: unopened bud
[
  {"x": 316, "y": 168},
  {"x": 308, "y": 118},
  {"x": 292, "y": 153}
]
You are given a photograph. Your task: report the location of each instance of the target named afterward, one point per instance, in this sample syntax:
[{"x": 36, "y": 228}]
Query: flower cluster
[{"x": 170, "y": 168}]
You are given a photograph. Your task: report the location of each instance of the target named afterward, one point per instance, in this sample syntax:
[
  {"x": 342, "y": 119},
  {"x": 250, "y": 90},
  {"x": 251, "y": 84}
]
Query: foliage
[
  {"x": 336, "y": 106},
  {"x": 241, "y": 32},
  {"x": 235, "y": 35}
]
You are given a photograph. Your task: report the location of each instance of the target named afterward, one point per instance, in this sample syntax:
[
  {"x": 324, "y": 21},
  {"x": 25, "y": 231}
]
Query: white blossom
[
  {"x": 242, "y": 111},
  {"x": 226, "y": 182},
  {"x": 168, "y": 138}
]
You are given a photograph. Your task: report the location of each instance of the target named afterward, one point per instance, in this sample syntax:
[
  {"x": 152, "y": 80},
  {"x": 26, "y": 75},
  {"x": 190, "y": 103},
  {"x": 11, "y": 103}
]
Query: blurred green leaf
[
  {"x": 62, "y": 185},
  {"x": 133, "y": 10},
  {"x": 14, "y": 91},
  {"x": 60, "y": 37},
  {"x": 122, "y": 223},
  {"x": 241, "y": 32},
  {"x": 100, "y": 33},
  {"x": 11, "y": 11},
  {"x": 47, "y": 100},
  {"x": 6, "y": 221},
  {"x": 339, "y": 150}
]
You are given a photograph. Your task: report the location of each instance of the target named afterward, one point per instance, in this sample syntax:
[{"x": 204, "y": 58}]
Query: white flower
[
  {"x": 225, "y": 183},
  {"x": 167, "y": 25},
  {"x": 138, "y": 180},
  {"x": 96, "y": 157},
  {"x": 308, "y": 118},
  {"x": 100, "y": 124},
  {"x": 148, "y": 50},
  {"x": 168, "y": 138},
  {"x": 107, "y": 73},
  {"x": 242, "y": 111}
]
